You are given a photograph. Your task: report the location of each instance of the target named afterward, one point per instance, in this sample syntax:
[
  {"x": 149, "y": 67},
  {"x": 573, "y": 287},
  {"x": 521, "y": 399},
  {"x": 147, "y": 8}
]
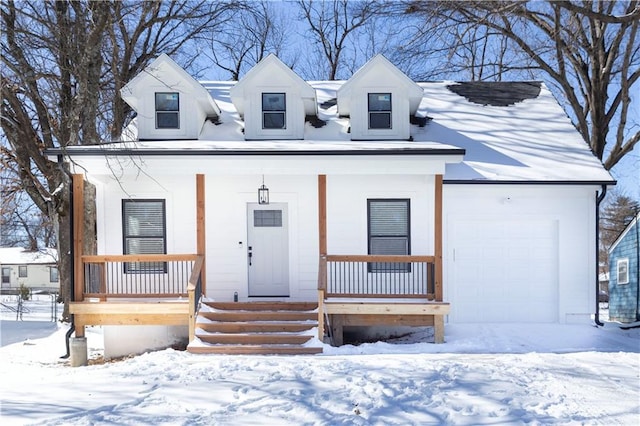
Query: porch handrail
[
  {"x": 194, "y": 289},
  {"x": 139, "y": 258},
  {"x": 366, "y": 276},
  {"x": 137, "y": 275}
]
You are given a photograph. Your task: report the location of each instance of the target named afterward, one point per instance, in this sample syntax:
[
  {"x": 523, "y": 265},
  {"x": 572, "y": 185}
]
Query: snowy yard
[{"x": 484, "y": 374}]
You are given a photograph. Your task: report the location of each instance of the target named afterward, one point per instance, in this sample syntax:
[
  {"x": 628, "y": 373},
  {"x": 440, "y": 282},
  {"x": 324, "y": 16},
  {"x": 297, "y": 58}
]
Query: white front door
[{"x": 268, "y": 249}]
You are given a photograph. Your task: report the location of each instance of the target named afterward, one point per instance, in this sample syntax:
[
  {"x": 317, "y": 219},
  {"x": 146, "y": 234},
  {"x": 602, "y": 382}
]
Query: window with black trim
[
  {"x": 144, "y": 232},
  {"x": 379, "y": 107},
  {"x": 53, "y": 274},
  {"x": 167, "y": 110},
  {"x": 22, "y": 271},
  {"x": 388, "y": 223},
  {"x": 6, "y": 275},
  {"x": 274, "y": 111}
]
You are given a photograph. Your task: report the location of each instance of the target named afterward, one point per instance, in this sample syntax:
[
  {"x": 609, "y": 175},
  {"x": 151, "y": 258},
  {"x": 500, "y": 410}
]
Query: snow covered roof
[
  {"x": 508, "y": 132},
  {"x": 20, "y": 256},
  {"x": 625, "y": 231}
]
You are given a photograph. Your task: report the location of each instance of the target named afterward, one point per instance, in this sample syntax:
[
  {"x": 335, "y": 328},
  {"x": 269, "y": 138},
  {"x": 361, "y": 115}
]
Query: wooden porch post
[
  {"x": 438, "y": 319},
  {"x": 438, "y": 237},
  {"x": 322, "y": 213},
  {"x": 322, "y": 248},
  {"x": 78, "y": 238},
  {"x": 200, "y": 228}
]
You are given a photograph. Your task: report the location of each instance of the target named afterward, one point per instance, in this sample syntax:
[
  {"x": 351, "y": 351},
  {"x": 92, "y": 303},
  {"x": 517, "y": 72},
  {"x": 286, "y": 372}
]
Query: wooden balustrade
[
  {"x": 194, "y": 289},
  {"x": 364, "y": 276},
  {"x": 148, "y": 275}
]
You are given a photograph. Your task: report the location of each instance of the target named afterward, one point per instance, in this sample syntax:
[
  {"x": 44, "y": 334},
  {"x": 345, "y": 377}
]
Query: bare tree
[
  {"x": 589, "y": 51},
  {"x": 618, "y": 211},
  {"x": 256, "y": 29},
  {"x": 335, "y": 26},
  {"x": 63, "y": 65}
]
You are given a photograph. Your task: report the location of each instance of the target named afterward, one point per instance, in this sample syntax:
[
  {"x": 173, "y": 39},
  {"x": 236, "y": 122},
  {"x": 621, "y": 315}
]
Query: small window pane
[
  {"x": 53, "y": 274},
  {"x": 380, "y": 120},
  {"x": 22, "y": 271},
  {"x": 389, "y": 245},
  {"x": 267, "y": 218},
  {"x": 379, "y": 101},
  {"x": 6, "y": 275},
  {"x": 274, "y": 120},
  {"x": 167, "y": 102},
  {"x": 167, "y": 120},
  {"x": 273, "y": 102}
]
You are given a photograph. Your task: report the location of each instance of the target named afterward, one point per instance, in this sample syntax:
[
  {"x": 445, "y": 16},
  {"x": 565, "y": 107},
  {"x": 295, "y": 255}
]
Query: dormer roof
[
  {"x": 376, "y": 71},
  {"x": 271, "y": 71},
  {"x": 166, "y": 71}
]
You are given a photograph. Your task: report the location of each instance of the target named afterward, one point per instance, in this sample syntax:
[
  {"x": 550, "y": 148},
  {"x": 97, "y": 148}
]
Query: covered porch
[{"x": 167, "y": 289}]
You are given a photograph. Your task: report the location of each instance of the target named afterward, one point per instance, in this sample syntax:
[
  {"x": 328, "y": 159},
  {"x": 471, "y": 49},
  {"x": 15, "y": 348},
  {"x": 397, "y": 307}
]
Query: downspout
[
  {"x": 72, "y": 272},
  {"x": 598, "y": 201},
  {"x": 637, "y": 267}
]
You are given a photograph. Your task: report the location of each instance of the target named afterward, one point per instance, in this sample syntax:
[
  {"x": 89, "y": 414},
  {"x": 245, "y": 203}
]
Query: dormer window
[
  {"x": 379, "y": 110},
  {"x": 168, "y": 110},
  {"x": 274, "y": 111}
]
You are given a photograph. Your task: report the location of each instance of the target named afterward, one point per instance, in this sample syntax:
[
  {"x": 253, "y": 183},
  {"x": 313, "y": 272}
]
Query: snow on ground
[{"x": 483, "y": 374}]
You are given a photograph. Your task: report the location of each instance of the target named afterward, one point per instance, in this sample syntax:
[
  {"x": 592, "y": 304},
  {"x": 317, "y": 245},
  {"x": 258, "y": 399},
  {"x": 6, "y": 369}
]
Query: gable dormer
[
  {"x": 379, "y": 99},
  {"x": 170, "y": 104},
  {"x": 273, "y": 101}
]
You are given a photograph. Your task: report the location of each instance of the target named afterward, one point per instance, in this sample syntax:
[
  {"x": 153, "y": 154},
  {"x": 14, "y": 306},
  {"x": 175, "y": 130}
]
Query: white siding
[
  {"x": 179, "y": 193},
  {"x": 520, "y": 253}
]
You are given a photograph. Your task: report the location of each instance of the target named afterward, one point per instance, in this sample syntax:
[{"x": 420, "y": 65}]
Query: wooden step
[
  {"x": 255, "y": 327},
  {"x": 255, "y": 350},
  {"x": 243, "y": 316},
  {"x": 254, "y": 338},
  {"x": 263, "y": 306}
]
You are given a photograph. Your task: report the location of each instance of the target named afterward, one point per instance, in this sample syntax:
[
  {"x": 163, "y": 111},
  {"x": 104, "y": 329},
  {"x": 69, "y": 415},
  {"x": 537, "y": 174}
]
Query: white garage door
[{"x": 503, "y": 270}]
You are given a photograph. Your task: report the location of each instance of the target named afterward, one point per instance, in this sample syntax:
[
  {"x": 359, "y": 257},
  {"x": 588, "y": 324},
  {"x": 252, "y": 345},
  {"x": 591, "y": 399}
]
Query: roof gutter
[
  {"x": 599, "y": 199},
  {"x": 637, "y": 266}
]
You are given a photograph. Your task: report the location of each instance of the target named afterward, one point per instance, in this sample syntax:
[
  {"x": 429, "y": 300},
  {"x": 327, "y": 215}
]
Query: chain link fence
[{"x": 38, "y": 307}]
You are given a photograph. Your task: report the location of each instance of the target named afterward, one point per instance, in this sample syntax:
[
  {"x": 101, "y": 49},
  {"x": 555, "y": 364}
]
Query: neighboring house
[
  {"x": 377, "y": 201},
  {"x": 36, "y": 270},
  {"x": 624, "y": 265}
]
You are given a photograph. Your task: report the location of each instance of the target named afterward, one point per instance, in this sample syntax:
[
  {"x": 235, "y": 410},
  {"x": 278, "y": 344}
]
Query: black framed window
[
  {"x": 53, "y": 274},
  {"x": 144, "y": 232},
  {"x": 379, "y": 107},
  {"x": 388, "y": 223},
  {"x": 167, "y": 110},
  {"x": 22, "y": 271},
  {"x": 274, "y": 111},
  {"x": 6, "y": 275}
]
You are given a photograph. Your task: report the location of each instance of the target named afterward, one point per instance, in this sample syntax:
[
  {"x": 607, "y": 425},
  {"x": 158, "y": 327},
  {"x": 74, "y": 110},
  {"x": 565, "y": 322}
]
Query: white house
[
  {"x": 482, "y": 196},
  {"x": 36, "y": 270}
]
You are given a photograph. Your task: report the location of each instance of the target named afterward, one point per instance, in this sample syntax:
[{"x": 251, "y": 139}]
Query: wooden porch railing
[
  {"x": 365, "y": 276},
  {"x": 130, "y": 276},
  {"x": 194, "y": 288}
]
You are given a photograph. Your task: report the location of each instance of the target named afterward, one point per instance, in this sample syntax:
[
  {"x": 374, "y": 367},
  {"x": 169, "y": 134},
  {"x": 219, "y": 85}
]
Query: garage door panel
[{"x": 503, "y": 271}]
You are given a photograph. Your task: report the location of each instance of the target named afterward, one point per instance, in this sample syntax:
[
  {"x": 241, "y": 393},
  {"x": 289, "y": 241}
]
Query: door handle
[{"x": 249, "y": 254}]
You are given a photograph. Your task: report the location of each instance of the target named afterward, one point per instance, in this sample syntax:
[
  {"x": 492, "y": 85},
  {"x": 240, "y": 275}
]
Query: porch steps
[{"x": 236, "y": 328}]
